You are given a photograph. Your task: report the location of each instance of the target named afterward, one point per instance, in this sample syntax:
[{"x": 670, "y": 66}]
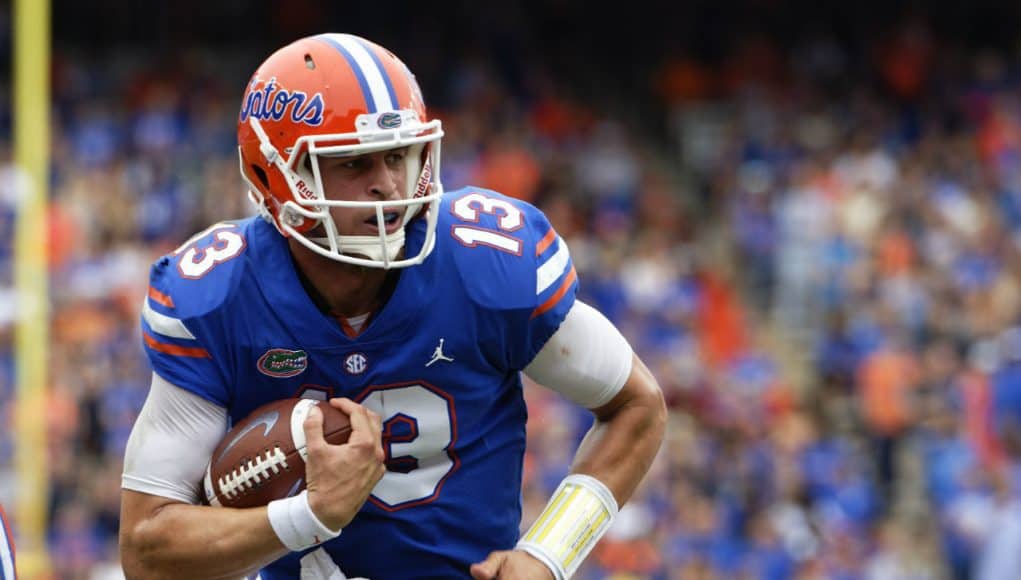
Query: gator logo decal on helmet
[{"x": 389, "y": 121}]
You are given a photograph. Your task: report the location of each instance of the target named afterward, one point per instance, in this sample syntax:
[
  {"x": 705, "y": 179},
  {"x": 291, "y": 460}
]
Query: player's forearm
[
  {"x": 620, "y": 447},
  {"x": 187, "y": 541}
]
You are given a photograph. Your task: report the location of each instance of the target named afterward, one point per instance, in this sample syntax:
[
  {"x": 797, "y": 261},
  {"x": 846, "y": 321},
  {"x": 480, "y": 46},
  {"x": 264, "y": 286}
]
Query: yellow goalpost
[{"x": 31, "y": 159}]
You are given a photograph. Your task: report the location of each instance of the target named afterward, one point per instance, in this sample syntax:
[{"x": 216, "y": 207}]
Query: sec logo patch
[{"x": 355, "y": 364}]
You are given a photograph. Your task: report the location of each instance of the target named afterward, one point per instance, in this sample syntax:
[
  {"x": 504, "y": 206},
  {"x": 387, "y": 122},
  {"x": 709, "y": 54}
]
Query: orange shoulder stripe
[
  {"x": 553, "y": 300},
  {"x": 545, "y": 242},
  {"x": 160, "y": 298},
  {"x": 173, "y": 349}
]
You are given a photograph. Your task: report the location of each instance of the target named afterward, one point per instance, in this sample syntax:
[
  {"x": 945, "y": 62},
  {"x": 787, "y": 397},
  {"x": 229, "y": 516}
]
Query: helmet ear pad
[
  {"x": 419, "y": 174},
  {"x": 268, "y": 180}
]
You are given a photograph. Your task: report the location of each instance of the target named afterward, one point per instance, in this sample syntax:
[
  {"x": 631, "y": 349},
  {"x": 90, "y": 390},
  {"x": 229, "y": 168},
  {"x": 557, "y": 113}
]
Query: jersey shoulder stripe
[
  {"x": 553, "y": 267},
  {"x": 160, "y": 298},
  {"x": 555, "y": 275},
  {"x": 164, "y": 324},
  {"x": 159, "y": 332},
  {"x": 563, "y": 290},
  {"x": 546, "y": 241},
  {"x": 174, "y": 349}
]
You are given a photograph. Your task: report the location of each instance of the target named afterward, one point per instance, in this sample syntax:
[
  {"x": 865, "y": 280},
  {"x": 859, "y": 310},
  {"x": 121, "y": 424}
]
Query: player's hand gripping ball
[{"x": 262, "y": 458}]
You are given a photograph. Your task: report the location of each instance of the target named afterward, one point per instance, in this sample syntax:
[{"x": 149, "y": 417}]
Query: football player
[{"x": 413, "y": 310}]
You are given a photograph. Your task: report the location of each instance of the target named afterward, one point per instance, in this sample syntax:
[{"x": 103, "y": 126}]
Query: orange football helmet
[{"x": 337, "y": 95}]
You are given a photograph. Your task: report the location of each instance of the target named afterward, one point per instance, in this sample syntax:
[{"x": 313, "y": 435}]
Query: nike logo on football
[{"x": 269, "y": 420}]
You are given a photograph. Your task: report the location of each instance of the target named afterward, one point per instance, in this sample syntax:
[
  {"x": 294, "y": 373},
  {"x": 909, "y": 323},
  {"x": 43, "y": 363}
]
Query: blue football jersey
[{"x": 227, "y": 318}]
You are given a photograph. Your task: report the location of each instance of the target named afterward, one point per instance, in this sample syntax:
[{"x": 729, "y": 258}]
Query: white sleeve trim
[
  {"x": 587, "y": 359},
  {"x": 555, "y": 267},
  {"x": 171, "y": 442},
  {"x": 163, "y": 324}
]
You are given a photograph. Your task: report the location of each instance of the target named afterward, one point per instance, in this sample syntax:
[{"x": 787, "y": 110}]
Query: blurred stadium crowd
[{"x": 817, "y": 253}]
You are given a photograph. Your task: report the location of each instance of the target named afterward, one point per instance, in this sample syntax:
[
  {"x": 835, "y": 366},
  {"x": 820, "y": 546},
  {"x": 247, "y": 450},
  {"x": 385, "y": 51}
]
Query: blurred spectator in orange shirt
[{"x": 886, "y": 379}]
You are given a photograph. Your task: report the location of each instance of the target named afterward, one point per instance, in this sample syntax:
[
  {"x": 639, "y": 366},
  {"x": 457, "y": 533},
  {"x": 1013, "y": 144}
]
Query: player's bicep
[
  {"x": 171, "y": 442},
  {"x": 587, "y": 359}
]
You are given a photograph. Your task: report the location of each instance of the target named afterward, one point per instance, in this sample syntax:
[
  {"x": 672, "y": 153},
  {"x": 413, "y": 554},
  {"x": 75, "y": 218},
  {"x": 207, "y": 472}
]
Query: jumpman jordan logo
[{"x": 438, "y": 355}]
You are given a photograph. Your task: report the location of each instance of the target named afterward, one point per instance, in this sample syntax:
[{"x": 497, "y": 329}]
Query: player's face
[{"x": 379, "y": 176}]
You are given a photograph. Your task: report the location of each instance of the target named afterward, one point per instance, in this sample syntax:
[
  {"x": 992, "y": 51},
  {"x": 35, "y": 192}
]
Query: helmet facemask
[{"x": 306, "y": 216}]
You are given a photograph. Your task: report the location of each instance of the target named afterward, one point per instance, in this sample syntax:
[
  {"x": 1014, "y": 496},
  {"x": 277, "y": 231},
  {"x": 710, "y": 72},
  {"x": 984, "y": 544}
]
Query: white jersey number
[
  {"x": 418, "y": 431},
  {"x": 468, "y": 208},
  {"x": 197, "y": 260}
]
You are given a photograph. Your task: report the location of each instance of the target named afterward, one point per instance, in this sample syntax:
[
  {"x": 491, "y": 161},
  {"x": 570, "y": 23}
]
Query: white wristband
[
  {"x": 296, "y": 525},
  {"x": 574, "y": 520}
]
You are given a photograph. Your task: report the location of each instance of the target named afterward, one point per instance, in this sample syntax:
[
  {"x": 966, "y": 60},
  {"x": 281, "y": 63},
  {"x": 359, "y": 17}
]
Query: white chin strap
[{"x": 367, "y": 246}]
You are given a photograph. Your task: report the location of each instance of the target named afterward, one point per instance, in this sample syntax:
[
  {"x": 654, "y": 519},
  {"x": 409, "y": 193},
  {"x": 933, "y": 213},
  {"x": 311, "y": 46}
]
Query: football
[{"x": 262, "y": 458}]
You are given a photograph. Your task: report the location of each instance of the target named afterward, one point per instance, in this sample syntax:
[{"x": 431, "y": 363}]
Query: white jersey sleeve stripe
[
  {"x": 163, "y": 324},
  {"x": 554, "y": 268}
]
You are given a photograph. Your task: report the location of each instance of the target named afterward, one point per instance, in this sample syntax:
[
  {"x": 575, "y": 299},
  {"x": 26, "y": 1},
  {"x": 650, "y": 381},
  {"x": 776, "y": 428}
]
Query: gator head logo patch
[{"x": 282, "y": 363}]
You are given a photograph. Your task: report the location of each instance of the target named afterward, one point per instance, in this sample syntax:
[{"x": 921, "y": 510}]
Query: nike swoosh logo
[
  {"x": 294, "y": 488},
  {"x": 268, "y": 419}
]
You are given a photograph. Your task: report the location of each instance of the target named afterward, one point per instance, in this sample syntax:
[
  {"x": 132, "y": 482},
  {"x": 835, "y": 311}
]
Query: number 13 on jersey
[
  {"x": 197, "y": 258},
  {"x": 468, "y": 208}
]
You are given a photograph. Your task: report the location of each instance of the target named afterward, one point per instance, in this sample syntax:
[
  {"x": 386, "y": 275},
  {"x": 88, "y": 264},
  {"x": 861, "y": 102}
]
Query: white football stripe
[
  {"x": 207, "y": 483},
  {"x": 548, "y": 273},
  {"x": 373, "y": 76},
  {"x": 163, "y": 324},
  {"x": 298, "y": 415}
]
